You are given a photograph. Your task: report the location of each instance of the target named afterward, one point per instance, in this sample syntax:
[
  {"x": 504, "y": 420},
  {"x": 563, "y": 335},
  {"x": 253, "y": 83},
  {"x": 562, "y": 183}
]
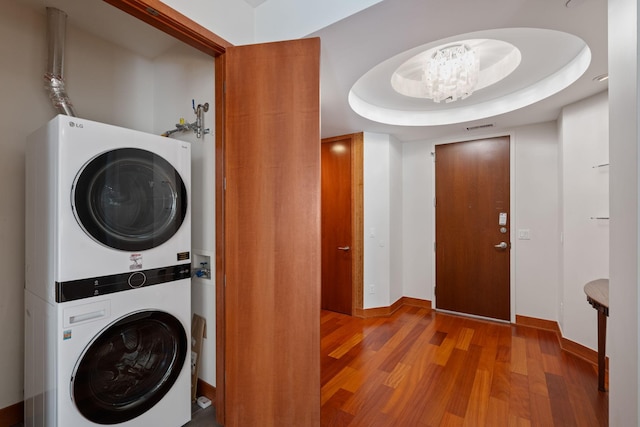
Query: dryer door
[
  {"x": 129, "y": 367},
  {"x": 129, "y": 199}
]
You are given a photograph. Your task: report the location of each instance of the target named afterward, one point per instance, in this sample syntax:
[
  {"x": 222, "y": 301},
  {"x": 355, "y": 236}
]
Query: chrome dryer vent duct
[{"x": 56, "y": 31}]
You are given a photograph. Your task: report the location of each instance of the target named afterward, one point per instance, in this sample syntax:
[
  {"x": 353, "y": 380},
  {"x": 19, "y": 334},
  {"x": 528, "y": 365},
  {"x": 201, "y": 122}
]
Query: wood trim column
[
  {"x": 357, "y": 220},
  {"x": 220, "y": 238}
]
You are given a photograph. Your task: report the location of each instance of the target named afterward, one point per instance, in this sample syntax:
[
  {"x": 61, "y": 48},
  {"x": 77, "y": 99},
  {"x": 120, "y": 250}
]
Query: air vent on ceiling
[{"x": 488, "y": 125}]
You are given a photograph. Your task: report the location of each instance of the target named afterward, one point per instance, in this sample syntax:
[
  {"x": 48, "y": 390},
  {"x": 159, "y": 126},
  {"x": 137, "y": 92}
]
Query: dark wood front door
[
  {"x": 272, "y": 234},
  {"x": 336, "y": 225},
  {"x": 472, "y": 221}
]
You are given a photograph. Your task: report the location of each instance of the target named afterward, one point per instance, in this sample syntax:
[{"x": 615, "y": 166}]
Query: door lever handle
[
  {"x": 344, "y": 248},
  {"x": 501, "y": 245}
]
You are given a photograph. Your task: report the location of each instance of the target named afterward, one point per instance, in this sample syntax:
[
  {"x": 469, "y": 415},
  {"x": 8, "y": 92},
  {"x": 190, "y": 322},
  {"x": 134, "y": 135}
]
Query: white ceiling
[{"x": 355, "y": 45}]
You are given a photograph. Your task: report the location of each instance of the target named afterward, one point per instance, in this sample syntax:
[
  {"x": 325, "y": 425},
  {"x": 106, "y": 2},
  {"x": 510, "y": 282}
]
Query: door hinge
[
  {"x": 224, "y": 184},
  {"x": 434, "y": 246},
  {"x": 434, "y": 202}
]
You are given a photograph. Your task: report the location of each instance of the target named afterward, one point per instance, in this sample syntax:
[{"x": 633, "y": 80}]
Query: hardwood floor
[{"x": 420, "y": 368}]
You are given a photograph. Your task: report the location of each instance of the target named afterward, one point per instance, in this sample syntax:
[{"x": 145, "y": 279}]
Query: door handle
[
  {"x": 344, "y": 248},
  {"x": 501, "y": 245}
]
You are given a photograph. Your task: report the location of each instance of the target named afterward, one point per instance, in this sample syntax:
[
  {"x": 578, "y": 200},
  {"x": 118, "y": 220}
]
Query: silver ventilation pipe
[{"x": 56, "y": 32}]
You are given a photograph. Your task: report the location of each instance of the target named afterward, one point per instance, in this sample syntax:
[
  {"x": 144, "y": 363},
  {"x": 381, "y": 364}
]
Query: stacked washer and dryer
[{"x": 107, "y": 292}]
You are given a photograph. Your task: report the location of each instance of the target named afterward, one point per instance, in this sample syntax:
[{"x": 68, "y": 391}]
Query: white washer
[
  {"x": 108, "y": 236},
  {"x": 103, "y": 200},
  {"x": 118, "y": 359}
]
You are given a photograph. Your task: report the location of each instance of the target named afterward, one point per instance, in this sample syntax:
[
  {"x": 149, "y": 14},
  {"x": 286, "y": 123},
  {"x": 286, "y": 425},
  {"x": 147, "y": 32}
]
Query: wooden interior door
[
  {"x": 336, "y": 225},
  {"x": 472, "y": 191},
  {"x": 272, "y": 234}
]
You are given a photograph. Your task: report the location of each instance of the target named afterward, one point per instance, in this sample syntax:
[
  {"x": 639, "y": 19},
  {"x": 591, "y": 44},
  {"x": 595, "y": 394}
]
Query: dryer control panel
[{"x": 95, "y": 286}]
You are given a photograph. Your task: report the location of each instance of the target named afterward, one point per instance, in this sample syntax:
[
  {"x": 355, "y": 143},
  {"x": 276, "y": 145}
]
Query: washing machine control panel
[{"x": 95, "y": 286}]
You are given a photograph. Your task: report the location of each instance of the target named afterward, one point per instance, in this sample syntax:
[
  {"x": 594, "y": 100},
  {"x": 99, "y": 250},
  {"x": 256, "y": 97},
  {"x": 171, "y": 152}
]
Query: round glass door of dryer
[
  {"x": 129, "y": 367},
  {"x": 129, "y": 199}
]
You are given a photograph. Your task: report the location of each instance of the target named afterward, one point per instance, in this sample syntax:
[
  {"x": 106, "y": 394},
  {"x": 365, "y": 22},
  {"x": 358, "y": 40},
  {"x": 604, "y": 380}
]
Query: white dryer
[
  {"x": 107, "y": 280},
  {"x": 117, "y": 359},
  {"x": 103, "y": 200}
]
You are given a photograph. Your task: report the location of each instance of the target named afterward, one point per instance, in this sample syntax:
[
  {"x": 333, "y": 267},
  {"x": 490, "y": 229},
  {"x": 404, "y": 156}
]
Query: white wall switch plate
[{"x": 524, "y": 234}]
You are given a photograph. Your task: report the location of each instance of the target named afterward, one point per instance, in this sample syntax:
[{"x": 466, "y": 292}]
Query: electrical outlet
[{"x": 372, "y": 289}]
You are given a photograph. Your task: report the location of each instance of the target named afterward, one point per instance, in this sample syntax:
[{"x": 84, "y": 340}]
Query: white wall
[
  {"x": 623, "y": 186},
  {"x": 396, "y": 253},
  {"x": 585, "y": 194},
  {"x": 382, "y": 220},
  {"x": 180, "y": 76},
  {"x": 105, "y": 83},
  {"x": 21, "y": 82},
  {"x": 535, "y": 188},
  {"x": 418, "y": 217},
  {"x": 536, "y": 263}
]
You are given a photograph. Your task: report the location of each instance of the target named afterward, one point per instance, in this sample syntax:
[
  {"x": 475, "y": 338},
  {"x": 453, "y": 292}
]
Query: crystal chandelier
[{"x": 451, "y": 73}]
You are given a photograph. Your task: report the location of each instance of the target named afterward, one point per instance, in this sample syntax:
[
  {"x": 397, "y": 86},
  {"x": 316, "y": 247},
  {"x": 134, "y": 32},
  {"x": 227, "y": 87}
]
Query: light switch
[{"x": 524, "y": 234}]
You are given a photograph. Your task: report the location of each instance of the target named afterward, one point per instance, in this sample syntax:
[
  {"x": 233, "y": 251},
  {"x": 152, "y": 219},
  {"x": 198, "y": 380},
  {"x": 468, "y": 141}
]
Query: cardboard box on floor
[{"x": 198, "y": 333}]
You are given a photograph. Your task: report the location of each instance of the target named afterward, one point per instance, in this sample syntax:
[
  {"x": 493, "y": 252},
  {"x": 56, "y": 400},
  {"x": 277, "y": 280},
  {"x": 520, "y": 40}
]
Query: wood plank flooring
[{"x": 421, "y": 368}]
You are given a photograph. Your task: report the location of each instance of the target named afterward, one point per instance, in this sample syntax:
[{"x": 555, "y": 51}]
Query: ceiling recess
[{"x": 521, "y": 67}]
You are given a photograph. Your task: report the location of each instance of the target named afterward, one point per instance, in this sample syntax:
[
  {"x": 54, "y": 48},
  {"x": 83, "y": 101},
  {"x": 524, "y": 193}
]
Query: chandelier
[{"x": 451, "y": 73}]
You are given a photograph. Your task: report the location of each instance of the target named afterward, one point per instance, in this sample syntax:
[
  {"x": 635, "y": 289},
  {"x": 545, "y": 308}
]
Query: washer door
[
  {"x": 129, "y": 199},
  {"x": 129, "y": 367}
]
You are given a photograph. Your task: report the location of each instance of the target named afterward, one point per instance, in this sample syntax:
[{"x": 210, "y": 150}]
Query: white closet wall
[{"x": 584, "y": 153}]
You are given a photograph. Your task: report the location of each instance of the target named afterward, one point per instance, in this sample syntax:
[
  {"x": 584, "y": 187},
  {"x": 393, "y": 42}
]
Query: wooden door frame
[
  {"x": 357, "y": 218},
  {"x": 173, "y": 23},
  {"x": 512, "y": 220}
]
